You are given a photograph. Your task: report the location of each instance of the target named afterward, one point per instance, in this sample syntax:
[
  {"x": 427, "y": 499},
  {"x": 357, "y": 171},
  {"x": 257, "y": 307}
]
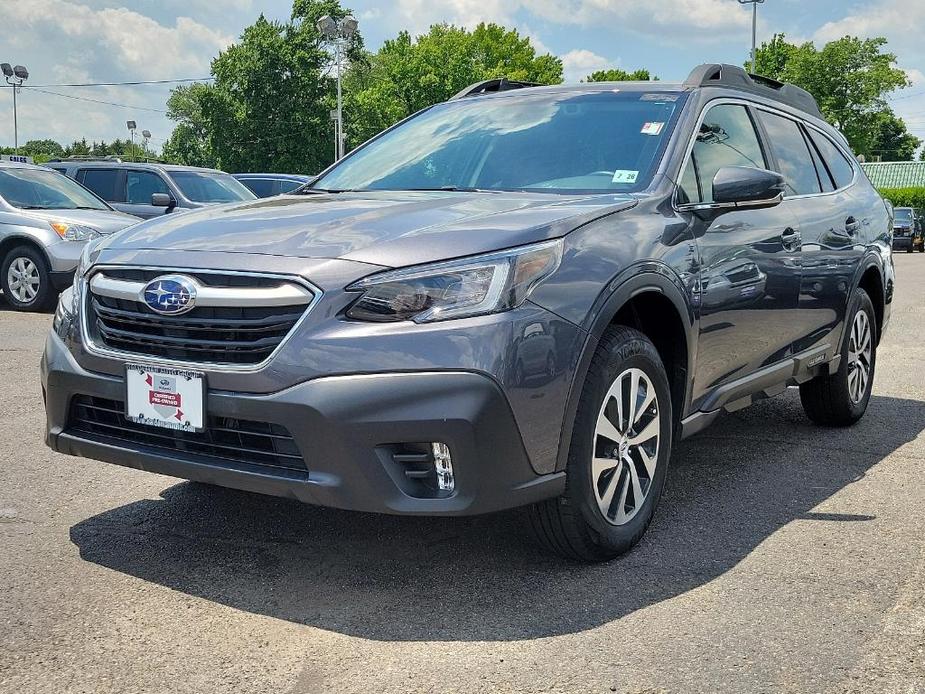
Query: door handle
[
  {"x": 791, "y": 239},
  {"x": 851, "y": 226}
]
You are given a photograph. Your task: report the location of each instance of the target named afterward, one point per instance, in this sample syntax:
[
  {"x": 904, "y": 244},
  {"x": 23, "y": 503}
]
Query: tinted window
[
  {"x": 103, "y": 182},
  {"x": 550, "y": 141},
  {"x": 141, "y": 185},
  {"x": 209, "y": 187},
  {"x": 824, "y": 178},
  {"x": 841, "y": 169},
  {"x": 44, "y": 190},
  {"x": 727, "y": 138},
  {"x": 261, "y": 187},
  {"x": 793, "y": 157},
  {"x": 286, "y": 186}
]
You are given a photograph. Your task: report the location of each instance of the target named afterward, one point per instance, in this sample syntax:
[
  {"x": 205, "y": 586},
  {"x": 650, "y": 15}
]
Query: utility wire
[
  {"x": 118, "y": 84},
  {"x": 99, "y": 101}
]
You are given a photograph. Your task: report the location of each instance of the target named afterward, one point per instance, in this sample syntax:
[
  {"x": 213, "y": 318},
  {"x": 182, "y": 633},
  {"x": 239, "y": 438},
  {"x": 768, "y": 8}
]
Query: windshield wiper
[{"x": 453, "y": 189}]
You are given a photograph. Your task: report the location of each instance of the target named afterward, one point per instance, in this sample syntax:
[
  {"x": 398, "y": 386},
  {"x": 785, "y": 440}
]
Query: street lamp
[
  {"x": 146, "y": 135},
  {"x": 754, "y": 4},
  {"x": 15, "y": 76},
  {"x": 131, "y": 125},
  {"x": 339, "y": 33}
]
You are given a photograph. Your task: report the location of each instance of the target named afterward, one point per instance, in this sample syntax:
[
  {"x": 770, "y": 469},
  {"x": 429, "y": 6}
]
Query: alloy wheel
[
  {"x": 626, "y": 440},
  {"x": 860, "y": 348},
  {"x": 23, "y": 280}
]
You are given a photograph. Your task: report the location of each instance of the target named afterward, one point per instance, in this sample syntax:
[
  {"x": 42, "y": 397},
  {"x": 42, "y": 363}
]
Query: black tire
[
  {"x": 827, "y": 398},
  {"x": 44, "y": 294},
  {"x": 573, "y": 525}
]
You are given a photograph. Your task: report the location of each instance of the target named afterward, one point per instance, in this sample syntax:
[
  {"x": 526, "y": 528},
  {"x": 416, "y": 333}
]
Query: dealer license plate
[{"x": 168, "y": 398}]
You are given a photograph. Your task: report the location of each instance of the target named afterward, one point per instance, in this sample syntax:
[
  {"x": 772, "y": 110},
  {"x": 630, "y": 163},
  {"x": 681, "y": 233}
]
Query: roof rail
[
  {"x": 734, "y": 77},
  {"x": 497, "y": 84},
  {"x": 87, "y": 157}
]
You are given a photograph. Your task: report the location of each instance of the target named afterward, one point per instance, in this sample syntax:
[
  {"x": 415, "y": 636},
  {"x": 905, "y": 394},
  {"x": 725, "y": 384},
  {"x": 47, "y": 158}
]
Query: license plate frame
[{"x": 172, "y": 394}]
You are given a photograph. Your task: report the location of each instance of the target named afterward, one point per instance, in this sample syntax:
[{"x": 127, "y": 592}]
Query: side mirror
[
  {"x": 744, "y": 186},
  {"x": 163, "y": 200}
]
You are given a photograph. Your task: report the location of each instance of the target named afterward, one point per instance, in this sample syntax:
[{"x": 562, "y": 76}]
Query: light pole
[
  {"x": 146, "y": 135},
  {"x": 339, "y": 33},
  {"x": 131, "y": 125},
  {"x": 754, "y": 4},
  {"x": 15, "y": 76}
]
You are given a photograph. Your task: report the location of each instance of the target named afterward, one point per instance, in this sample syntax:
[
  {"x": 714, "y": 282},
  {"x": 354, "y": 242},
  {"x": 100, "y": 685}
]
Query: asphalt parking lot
[{"x": 784, "y": 558}]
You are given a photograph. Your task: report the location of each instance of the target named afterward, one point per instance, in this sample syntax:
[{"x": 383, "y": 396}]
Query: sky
[{"x": 77, "y": 41}]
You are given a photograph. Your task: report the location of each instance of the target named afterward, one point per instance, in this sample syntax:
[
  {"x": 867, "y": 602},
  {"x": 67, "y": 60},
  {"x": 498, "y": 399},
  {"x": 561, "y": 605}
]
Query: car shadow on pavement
[{"x": 396, "y": 578}]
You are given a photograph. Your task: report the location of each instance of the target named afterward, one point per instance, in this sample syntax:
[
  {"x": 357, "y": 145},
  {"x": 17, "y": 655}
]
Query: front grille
[
  {"x": 232, "y": 335},
  {"x": 235, "y": 442}
]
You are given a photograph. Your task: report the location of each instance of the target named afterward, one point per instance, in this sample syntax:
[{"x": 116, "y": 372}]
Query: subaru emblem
[{"x": 170, "y": 295}]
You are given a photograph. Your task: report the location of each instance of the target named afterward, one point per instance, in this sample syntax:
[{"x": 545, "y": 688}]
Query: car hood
[
  {"x": 384, "y": 228},
  {"x": 106, "y": 221}
]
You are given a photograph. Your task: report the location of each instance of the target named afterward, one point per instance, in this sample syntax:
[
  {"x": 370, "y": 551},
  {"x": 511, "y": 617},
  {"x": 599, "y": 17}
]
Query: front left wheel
[
  {"x": 618, "y": 458},
  {"x": 25, "y": 279}
]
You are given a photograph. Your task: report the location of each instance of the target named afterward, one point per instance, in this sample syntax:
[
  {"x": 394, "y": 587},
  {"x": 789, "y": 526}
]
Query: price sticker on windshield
[
  {"x": 624, "y": 176},
  {"x": 652, "y": 128}
]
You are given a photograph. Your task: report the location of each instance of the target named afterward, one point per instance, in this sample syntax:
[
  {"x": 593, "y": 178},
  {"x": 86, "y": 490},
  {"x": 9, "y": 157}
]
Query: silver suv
[
  {"x": 45, "y": 222},
  {"x": 150, "y": 190}
]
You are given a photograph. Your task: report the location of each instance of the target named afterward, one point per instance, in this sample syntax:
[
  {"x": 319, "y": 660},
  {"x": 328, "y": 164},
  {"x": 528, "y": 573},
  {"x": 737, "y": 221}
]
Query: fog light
[{"x": 443, "y": 465}]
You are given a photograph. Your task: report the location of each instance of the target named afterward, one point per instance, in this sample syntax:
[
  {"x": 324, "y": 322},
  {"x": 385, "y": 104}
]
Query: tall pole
[
  {"x": 15, "y": 123},
  {"x": 339, "y": 133},
  {"x": 754, "y": 34},
  {"x": 133, "y": 145}
]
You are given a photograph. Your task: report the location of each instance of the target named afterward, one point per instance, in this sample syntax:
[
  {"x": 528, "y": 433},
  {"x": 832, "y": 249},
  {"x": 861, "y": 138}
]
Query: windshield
[
  {"x": 37, "y": 189},
  {"x": 903, "y": 215},
  {"x": 200, "y": 186},
  {"x": 552, "y": 142}
]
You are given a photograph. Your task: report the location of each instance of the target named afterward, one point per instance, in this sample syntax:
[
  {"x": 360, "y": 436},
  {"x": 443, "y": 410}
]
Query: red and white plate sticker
[
  {"x": 652, "y": 128},
  {"x": 168, "y": 398}
]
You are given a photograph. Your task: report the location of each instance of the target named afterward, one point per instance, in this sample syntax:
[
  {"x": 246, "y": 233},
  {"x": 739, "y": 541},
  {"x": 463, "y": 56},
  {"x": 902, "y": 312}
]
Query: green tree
[
  {"x": 406, "y": 75},
  {"x": 850, "y": 79},
  {"x": 891, "y": 140},
  {"x": 618, "y": 75},
  {"x": 190, "y": 142}
]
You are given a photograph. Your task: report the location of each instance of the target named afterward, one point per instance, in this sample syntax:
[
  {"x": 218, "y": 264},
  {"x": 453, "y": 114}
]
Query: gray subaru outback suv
[{"x": 520, "y": 297}]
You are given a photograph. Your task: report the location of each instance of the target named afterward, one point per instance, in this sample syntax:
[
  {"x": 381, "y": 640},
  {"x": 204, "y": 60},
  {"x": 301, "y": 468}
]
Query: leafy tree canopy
[
  {"x": 408, "y": 74},
  {"x": 618, "y": 75},
  {"x": 850, "y": 78}
]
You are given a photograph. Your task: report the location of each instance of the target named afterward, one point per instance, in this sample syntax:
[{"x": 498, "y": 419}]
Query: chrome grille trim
[
  {"x": 284, "y": 295},
  {"x": 84, "y": 286}
]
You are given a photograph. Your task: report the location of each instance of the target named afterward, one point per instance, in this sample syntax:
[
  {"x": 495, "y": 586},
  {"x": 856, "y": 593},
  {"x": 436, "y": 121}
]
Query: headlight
[
  {"x": 65, "y": 313},
  {"x": 456, "y": 289},
  {"x": 74, "y": 232}
]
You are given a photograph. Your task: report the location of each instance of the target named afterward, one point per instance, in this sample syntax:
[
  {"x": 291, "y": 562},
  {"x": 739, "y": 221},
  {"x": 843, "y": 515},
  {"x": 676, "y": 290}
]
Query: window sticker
[
  {"x": 652, "y": 128},
  {"x": 624, "y": 176}
]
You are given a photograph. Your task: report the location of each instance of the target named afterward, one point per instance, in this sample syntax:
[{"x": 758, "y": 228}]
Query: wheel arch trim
[{"x": 636, "y": 280}]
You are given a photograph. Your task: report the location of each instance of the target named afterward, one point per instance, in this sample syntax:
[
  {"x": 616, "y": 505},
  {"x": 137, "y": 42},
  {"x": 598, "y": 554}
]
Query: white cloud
[
  {"x": 63, "y": 41},
  {"x": 579, "y": 63},
  {"x": 664, "y": 21}
]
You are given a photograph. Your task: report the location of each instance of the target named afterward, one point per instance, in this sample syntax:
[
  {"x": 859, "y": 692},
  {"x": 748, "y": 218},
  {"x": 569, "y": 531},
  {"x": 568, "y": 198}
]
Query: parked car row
[{"x": 46, "y": 218}]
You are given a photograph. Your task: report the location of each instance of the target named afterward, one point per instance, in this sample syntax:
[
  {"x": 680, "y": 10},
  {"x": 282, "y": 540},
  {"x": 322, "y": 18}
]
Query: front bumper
[
  {"x": 345, "y": 428},
  {"x": 902, "y": 243}
]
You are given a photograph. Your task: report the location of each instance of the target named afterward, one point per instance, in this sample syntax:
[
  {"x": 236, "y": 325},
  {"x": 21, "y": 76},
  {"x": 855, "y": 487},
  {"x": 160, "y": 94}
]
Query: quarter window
[
  {"x": 794, "y": 161},
  {"x": 727, "y": 137},
  {"x": 103, "y": 182},
  {"x": 841, "y": 169}
]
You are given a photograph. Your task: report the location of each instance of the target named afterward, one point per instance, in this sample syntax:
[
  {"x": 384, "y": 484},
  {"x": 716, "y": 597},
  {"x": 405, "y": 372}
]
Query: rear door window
[
  {"x": 104, "y": 182},
  {"x": 141, "y": 185},
  {"x": 727, "y": 137},
  {"x": 794, "y": 161},
  {"x": 841, "y": 169},
  {"x": 261, "y": 187}
]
